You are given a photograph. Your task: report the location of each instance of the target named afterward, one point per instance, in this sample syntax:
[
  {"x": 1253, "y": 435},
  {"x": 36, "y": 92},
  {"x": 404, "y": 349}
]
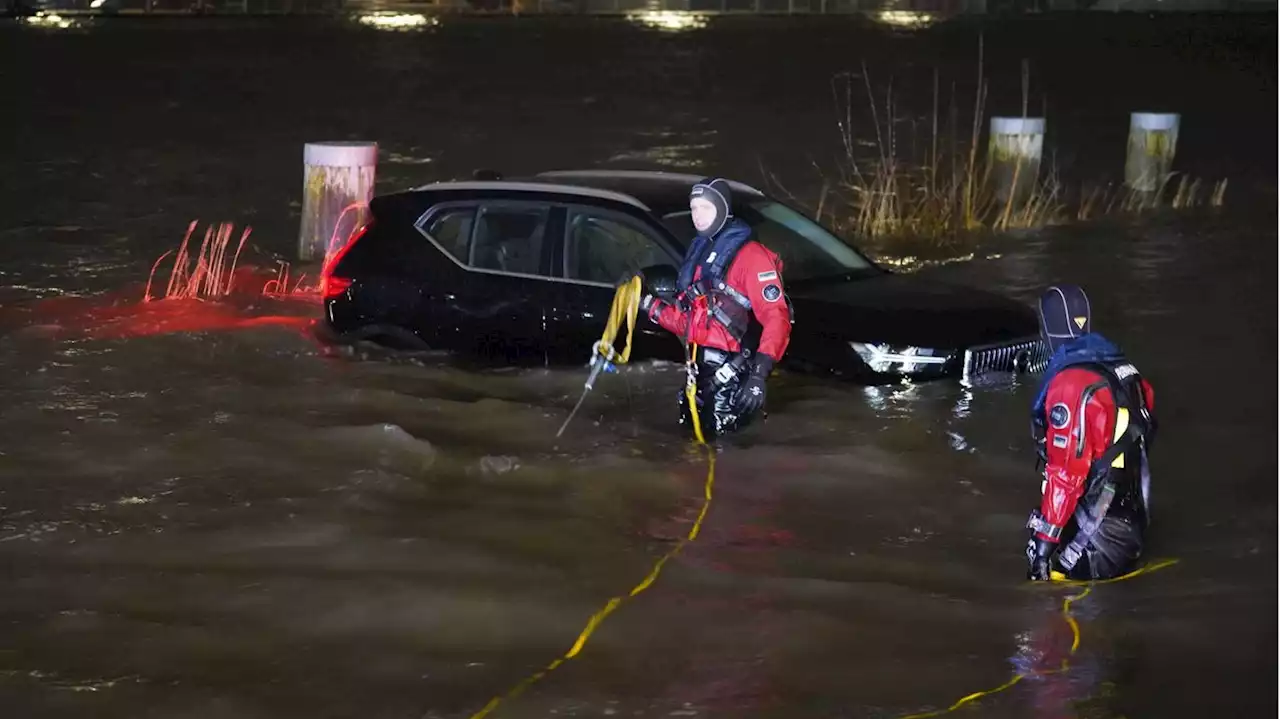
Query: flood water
[{"x": 205, "y": 514}]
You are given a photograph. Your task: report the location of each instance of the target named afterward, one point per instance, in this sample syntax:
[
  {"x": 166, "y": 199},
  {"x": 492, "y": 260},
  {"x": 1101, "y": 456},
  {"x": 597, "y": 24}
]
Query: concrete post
[
  {"x": 336, "y": 188},
  {"x": 1015, "y": 149},
  {"x": 1153, "y": 139}
]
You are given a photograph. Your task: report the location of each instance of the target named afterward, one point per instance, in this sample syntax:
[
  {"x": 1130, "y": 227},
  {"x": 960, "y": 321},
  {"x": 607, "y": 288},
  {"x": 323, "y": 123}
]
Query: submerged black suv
[{"x": 524, "y": 271}]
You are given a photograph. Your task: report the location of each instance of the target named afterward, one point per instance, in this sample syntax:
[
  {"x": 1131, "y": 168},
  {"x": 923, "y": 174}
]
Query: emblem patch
[
  {"x": 1059, "y": 416},
  {"x": 772, "y": 293},
  {"x": 1059, "y": 441},
  {"x": 1125, "y": 371},
  {"x": 766, "y": 276},
  {"x": 711, "y": 257}
]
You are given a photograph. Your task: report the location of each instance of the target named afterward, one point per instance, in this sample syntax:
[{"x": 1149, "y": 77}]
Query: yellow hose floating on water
[
  {"x": 626, "y": 304},
  {"x": 1075, "y": 638}
]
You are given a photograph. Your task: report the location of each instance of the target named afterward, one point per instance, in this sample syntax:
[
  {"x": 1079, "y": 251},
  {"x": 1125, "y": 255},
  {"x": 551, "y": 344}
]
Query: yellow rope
[
  {"x": 626, "y": 303},
  {"x": 625, "y": 307},
  {"x": 1075, "y": 638}
]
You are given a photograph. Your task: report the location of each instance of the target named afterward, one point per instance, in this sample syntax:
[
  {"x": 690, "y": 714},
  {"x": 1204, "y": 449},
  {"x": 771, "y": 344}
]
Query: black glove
[
  {"x": 1038, "y": 551},
  {"x": 751, "y": 394},
  {"x": 628, "y": 276}
]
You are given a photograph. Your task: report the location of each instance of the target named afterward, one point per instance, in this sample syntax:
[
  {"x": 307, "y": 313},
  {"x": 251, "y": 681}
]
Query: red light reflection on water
[
  {"x": 207, "y": 290},
  {"x": 211, "y": 276},
  {"x": 280, "y": 284},
  {"x": 120, "y": 315}
]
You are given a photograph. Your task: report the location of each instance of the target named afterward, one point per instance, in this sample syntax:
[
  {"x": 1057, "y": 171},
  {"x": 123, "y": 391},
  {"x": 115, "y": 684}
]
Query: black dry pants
[{"x": 717, "y": 408}]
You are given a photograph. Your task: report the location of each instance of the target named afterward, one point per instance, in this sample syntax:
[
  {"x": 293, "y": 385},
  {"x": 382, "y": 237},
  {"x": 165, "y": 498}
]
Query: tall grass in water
[
  {"x": 279, "y": 286},
  {"x": 213, "y": 273},
  {"x": 879, "y": 193},
  {"x": 211, "y": 276}
]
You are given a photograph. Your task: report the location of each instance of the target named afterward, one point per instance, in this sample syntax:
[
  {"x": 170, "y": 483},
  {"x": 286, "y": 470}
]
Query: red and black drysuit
[
  {"x": 1093, "y": 421},
  {"x": 731, "y": 310}
]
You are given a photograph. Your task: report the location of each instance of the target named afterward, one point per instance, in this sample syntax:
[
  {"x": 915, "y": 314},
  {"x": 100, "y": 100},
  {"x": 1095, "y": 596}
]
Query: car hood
[{"x": 907, "y": 310}]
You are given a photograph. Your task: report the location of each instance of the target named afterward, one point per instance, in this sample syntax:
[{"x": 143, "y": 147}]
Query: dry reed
[
  {"x": 213, "y": 274},
  {"x": 951, "y": 190}
]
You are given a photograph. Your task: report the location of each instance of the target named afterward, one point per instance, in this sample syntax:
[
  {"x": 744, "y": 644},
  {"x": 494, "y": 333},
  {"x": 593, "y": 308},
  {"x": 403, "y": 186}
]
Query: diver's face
[{"x": 704, "y": 213}]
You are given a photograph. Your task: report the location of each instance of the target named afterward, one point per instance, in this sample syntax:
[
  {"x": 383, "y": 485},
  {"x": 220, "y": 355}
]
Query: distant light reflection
[
  {"x": 669, "y": 20},
  {"x": 51, "y": 20},
  {"x": 397, "y": 21},
  {"x": 906, "y": 18},
  {"x": 961, "y": 410},
  {"x": 881, "y": 397}
]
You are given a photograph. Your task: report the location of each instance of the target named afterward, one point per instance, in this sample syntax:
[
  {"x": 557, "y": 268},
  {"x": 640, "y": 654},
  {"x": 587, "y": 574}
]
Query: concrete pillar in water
[
  {"x": 336, "y": 188},
  {"x": 1015, "y": 149},
  {"x": 1153, "y": 139}
]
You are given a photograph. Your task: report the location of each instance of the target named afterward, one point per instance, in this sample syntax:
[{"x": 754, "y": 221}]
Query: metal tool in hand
[{"x": 626, "y": 305}]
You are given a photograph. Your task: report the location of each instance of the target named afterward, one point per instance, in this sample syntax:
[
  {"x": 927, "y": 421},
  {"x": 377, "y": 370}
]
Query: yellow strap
[
  {"x": 690, "y": 394},
  {"x": 1122, "y": 424},
  {"x": 1075, "y": 640},
  {"x": 626, "y": 304}
]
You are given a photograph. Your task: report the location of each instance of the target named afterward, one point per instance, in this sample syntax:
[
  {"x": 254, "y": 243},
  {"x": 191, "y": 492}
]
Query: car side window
[
  {"x": 451, "y": 229},
  {"x": 602, "y": 247},
  {"x": 509, "y": 238}
]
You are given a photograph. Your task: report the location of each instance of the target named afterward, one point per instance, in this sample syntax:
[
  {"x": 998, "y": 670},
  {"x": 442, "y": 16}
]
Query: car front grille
[{"x": 1024, "y": 355}]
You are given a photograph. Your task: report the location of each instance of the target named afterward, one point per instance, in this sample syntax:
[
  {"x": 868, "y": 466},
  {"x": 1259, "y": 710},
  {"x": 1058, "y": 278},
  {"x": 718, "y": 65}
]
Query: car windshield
[{"x": 807, "y": 251}]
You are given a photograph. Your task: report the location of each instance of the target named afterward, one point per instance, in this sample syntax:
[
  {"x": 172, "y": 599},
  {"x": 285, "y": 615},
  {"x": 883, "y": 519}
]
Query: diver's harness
[
  {"x": 1127, "y": 394},
  {"x": 725, "y": 305}
]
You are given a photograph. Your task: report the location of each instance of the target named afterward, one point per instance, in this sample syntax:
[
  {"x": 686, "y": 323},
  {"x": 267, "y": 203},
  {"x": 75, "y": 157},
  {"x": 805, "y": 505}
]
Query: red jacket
[
  {"x": 1065, "y": 472},
  {"x": 756, "y": 272}
]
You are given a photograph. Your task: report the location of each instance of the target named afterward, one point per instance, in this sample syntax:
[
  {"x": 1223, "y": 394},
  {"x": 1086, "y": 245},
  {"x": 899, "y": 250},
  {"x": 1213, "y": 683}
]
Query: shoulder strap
[
  {"x": 1124, "y": 392},
  {"x": 727, "y": 251},
  {"x": 697, "y": 251}
]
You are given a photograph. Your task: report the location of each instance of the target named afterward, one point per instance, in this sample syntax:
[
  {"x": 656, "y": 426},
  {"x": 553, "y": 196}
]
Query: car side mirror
[{"x": 660, "y": 280}]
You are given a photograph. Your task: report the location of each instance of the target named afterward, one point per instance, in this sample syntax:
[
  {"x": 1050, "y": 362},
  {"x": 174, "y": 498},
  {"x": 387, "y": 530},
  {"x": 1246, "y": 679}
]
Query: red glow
[
  {"x": 211, "y": 276},
  {"x": 279, "y": 285},
  {"x": 334, "y": 286},
  {"x": 332, "y": 260},
  {"x": 119, "y": 315},
  {"x": 332, "y": 249},
  {"x": 207, "y": 290},
  {"x": 214, "y": 272},
  {"x": 331, "y": 286},
  {"x": 326, "y": 287}
]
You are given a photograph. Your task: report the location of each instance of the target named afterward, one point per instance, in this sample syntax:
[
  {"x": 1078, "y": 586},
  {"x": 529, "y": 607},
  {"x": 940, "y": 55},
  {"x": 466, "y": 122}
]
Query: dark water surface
[{"x": 204, "y": 515}]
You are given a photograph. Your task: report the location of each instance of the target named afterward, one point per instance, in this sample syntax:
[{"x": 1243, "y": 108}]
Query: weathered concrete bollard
[
  {"x": 1153, "y": 139},
  {"x": 336, "y": 188},
  {"x": 1015, "y": 149}
]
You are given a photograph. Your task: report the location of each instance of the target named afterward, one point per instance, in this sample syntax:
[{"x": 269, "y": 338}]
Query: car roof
[
  {"x": 662, "y": 192},
  {"x": 659, "y": 192}
]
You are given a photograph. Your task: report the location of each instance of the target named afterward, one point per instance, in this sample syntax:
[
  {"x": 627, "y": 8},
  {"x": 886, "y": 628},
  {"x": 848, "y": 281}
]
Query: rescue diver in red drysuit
[
  {"x": 729, "y": 302},
  {"x": 1093, "y": 421}
]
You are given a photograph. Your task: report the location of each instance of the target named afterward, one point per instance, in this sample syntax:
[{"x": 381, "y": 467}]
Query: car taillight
[{"x": 332, "y": 285}]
